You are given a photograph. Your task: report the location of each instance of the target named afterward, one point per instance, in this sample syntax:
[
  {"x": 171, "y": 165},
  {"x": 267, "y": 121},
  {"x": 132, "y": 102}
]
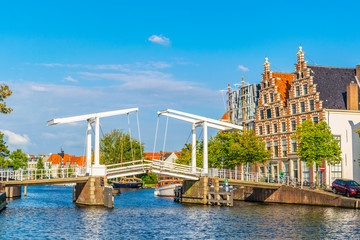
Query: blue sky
[{"x": 68, "y": 58}]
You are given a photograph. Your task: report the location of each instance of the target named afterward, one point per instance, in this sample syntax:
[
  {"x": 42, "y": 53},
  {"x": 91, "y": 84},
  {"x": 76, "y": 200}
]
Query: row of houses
[
  {"x": 54, "y": 161},
  {"x": 282, "y": 101}
]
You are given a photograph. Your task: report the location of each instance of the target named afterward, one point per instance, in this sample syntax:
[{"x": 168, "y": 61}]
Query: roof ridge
[{"x": 329, "y": 67}]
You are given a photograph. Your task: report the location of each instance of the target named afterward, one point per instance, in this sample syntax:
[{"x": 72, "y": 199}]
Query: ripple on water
[{"x": 49, "y": 213}]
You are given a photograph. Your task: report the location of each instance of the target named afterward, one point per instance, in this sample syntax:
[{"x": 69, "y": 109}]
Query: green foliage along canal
[{"x": 49, "y": 213}]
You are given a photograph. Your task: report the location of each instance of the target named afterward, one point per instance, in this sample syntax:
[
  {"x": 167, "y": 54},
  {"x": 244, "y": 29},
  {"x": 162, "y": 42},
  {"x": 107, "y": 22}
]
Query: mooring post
[{"x": 25, "y": 191}]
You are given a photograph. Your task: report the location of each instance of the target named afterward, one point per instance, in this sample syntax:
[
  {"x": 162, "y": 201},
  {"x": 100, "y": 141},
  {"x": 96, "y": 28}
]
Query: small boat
[
  {"x": 127, "y": 185},
  {"x": 165, "y": 187},
  {"x": 133, "y": 182}
]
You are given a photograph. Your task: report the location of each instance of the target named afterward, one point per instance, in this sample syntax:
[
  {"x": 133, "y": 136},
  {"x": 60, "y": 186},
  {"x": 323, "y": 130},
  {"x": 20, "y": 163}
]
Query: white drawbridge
[
  {"x": 196, "y": 122},
  {"x": 96, "y": 169},
  {"x": 148, "y": 166}
]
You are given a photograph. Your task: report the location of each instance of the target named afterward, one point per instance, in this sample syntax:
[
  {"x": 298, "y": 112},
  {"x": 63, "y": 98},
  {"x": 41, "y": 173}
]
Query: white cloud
[
  {"x": 242, "y": 68},
  {"x": 70, "y": 79},
  {"x": 16, "y": 139},
  {"x": 162, "y": 40},
  {"x": 38, "y": 88}
]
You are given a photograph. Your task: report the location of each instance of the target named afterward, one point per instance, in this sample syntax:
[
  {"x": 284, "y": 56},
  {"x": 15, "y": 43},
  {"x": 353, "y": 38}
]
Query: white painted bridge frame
[
  {"x": 96, "y": 169},
  {"x": 196, "y": 122}
]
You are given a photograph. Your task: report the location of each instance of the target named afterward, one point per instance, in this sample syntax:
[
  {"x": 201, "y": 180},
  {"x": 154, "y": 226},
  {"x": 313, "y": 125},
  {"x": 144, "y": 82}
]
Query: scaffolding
[{"x": 243, "y": 100}]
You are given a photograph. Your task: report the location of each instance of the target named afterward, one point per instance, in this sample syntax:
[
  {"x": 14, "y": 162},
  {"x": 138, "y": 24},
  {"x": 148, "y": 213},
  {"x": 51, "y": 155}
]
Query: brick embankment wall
[{"x": 287, "y": 194}]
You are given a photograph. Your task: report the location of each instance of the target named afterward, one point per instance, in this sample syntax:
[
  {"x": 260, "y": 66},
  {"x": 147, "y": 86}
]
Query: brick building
[{"x": 311, "y": 92}]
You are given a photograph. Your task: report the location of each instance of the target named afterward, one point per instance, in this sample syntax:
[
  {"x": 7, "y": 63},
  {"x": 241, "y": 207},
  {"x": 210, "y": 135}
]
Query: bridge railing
[
  {"x": 149, "y": 165},
  {"x": 128, "y": 166},
  {"x": 33, "y": 174},
  {"x": 260, "y": 177},
  {"x": 175, "y": 167}
]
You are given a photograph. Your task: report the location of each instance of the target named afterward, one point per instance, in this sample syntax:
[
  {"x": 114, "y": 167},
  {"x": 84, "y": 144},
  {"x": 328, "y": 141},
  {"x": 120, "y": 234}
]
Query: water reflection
[{"x": 48, "y": 212}]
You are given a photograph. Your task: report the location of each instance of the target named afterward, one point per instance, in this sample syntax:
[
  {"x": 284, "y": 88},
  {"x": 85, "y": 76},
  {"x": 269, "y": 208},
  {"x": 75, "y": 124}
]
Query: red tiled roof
[{"x": 56, "y": 159}]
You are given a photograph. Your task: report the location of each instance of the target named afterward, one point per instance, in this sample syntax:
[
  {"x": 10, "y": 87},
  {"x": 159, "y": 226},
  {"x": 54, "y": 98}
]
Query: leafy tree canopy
[
  {"x": 116, "y": 147},
  {"x": 40, "y": 164},
  {"x": 4, "y": 152},
  {"x": 150, "y": 178},
  {"x": 18, "y": 159},
  {"x": 4, "y": 93},
  {"x": 236, "y": 148},
  {"x": 185, "y": 154},
  {"x": 317, "y": 143}
]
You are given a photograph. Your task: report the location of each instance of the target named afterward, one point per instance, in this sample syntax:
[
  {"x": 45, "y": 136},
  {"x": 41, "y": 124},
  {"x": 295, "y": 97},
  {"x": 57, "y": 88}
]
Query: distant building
[
  {"x": 69, "y": 161},
  {"x": 243, "y": 100},
  {"x": 311, "y": 92},
  {"x": 32, "y": 161},
  {"x": 164, "y": 156}
]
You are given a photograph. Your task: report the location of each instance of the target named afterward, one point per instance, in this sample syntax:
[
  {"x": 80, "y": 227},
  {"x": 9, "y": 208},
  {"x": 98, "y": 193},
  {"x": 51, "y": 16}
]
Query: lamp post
[
  {"x": 61, "y": 154},
  {"x": 222, "y": 164}
]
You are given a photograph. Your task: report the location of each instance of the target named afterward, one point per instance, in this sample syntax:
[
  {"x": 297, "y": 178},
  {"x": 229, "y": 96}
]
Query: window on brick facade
[
  {"x": 261, "y": 114},
  {"x": 303, "y": 120},
  {"x": 268, "y": 113},
  {"x": 265, "y": 99},
  {"x": 297, "y": 90},
  {"x": 267, "y": 129},
  {"x": 302, "y": 75},
  {"x": 275, "y": 128},
  {"x": 293, "y": 108},
  {"x": 305, "y": 89},
  {"x": 284, "y": 148},
  {"x": 277, "y": 112},
  {"x": 302, "y": 106},
  {"x": 293, "y": 146},
  {"x": 260, "y": 130},
  {"x": 283, "y": 126},
  {"x": 268, "y": 146},
  {"x": 268, "y": 83},
  {"x": 271, "y": 97},
  {"x": 312, "y": 105},
  {"x": 315, "y": 120},
  {"x": 293, "y": 125},
  {"x": 264, "y": 85},
  {"x": 276, "y": 149},
  {"x": 297, "y": 76}
]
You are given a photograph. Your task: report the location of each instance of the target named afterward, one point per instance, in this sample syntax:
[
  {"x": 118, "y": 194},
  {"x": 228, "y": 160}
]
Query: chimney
[
  {"x": 358, "y": 72},
  {"x": 352, "y": 91}
]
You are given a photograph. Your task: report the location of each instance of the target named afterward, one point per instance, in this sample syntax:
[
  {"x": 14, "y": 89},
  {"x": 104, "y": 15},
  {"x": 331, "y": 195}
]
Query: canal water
[{"x": 49, "y": 213}]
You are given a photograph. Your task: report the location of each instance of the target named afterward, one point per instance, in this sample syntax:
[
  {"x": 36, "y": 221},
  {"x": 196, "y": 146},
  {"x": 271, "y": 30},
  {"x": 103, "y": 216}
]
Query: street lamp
[{"x": 61, "y": 154}]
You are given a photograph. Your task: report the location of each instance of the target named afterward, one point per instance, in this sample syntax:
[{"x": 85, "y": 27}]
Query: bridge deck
[{"x": 45, "y": 181}]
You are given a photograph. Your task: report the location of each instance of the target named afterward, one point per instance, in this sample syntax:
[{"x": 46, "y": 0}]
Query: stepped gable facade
[{"x": 288, "y": 99}]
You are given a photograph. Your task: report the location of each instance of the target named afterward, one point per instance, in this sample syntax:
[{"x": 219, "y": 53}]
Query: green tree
[
  {"x": 4, "y": 152},
  {"x": 317, "y": 143},
  {"x": 5, "y": 92},
  {"x": 150, "y": 178},
  {"x": 40, "y": 173},
  {"x": 185, "y": 154},
  {"x": 116, "y": 147},
  {"x": 18, "y": 159},
  {"x": 237, "y": 148}
]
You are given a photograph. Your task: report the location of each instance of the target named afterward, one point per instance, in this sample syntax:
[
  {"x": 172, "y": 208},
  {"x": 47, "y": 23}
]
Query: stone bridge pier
[{"x": 93, "y": 193}]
